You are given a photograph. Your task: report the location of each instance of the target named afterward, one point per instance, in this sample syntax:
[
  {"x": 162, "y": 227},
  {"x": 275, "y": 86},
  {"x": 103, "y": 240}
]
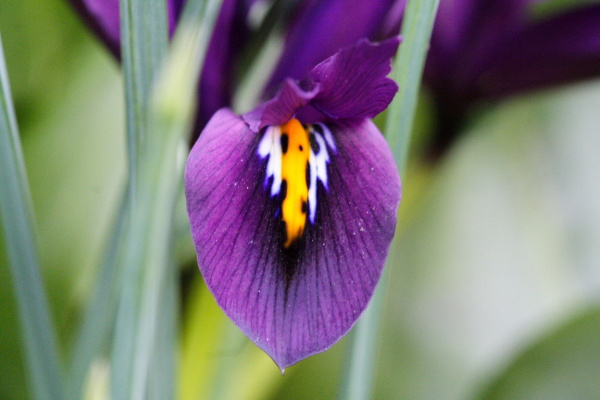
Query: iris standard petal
[
  {"x": 354, "y": 83},
  {"x": 320, "y": 29},
  {"x": 297, "y": 301}
]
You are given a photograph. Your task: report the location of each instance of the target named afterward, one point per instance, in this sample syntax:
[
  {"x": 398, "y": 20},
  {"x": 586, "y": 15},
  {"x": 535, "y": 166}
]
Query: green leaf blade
[
  {"x": 144, "y": 38},
  {"x": 17, "y": 220},
  {"x": 146, "y": 314},
  {"x": 98, "y": 320}
]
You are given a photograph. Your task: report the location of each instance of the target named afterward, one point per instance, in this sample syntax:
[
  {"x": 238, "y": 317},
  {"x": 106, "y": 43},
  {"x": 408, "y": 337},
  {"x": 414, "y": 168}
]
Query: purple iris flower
[
  {"x": 486, "y": 50},
  {"x": 293, "y": 205}
]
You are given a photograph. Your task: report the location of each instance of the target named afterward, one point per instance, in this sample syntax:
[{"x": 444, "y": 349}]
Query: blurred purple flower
[
  {"x": 102, "y": 16},
  {"x": 320, "y": 28},
  {"x": 293, "y": 205},
  {"x": 315, "y": 30},
  {"x": 485, "y": 50}
]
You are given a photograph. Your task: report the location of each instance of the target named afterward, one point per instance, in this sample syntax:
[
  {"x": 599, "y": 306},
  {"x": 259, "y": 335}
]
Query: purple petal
[
  {"x": 555, "y": 51},
  {"x": 354, "y": 81},
  {"x": 466, "y": 34},
  {"x": 465, "y": 24},
  {"x": 282, "y": 107},
  {"x": 291, "y": 314},
  {"x": 230, "y": 34},
  {"x": 174, "y": 9},
  {"x": 393, "y": 20},
  {"x": 102, "y": 16},
  {"x": 320, "y": 29},
  {"x": 492, "y": 22},
  {"x": 352, "y": 84}
]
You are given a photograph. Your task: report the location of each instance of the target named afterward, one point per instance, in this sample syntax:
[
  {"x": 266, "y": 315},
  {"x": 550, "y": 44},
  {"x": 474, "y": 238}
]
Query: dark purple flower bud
[
  {"x": 486, "y": 50},
  {"x": 293, "y": 205}
]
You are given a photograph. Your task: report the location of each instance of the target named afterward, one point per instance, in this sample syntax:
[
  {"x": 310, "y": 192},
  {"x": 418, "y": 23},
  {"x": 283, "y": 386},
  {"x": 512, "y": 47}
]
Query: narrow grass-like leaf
[
  {"x": 170, "y": 118},
  {"x": 147, "y": 260},
  {"x": 16, "y": 216},
  {"x": 144, "y": 38},
  {"x": 407, "y": 71},
  {"x": 163, "y": 371},
  {"x": 98, "y": 320}
]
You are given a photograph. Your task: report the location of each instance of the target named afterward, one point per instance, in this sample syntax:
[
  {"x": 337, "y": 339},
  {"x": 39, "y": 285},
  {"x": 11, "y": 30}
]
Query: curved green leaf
[{"x": 562, "y": 365}]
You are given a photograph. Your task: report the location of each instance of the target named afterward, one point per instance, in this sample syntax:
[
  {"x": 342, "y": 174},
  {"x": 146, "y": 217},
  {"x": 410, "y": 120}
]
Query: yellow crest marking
[{"x": 295, "y": 146}]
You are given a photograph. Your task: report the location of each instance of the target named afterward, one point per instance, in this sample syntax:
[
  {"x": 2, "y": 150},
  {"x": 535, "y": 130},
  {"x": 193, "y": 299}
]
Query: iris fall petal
[{"x": 291, "y": 302}]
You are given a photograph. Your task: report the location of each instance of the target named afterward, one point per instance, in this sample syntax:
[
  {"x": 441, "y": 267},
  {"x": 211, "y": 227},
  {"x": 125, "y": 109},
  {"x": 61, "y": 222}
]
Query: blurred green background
[{"x": 495, "y": 287}]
